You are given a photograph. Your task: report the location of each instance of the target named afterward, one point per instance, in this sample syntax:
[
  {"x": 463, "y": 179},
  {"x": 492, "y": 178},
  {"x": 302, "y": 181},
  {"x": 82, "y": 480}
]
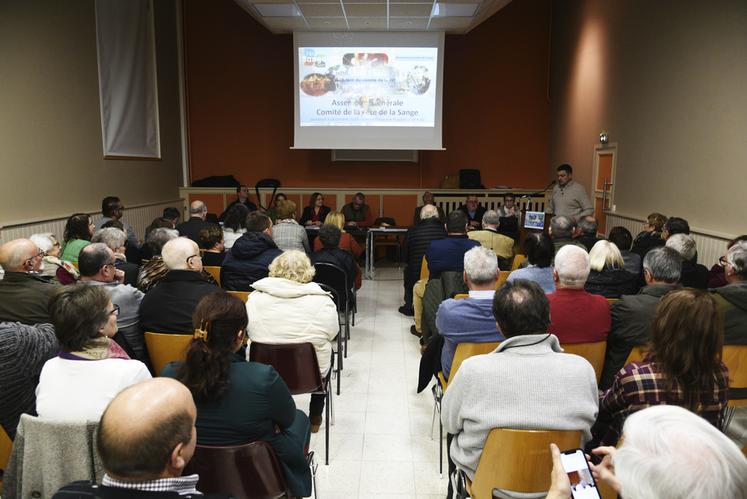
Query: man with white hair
[
  {"x": 191, "y": 228},
  {"x": 470, "y": 320},
  {"x": 502, "y": 245},
  {"x": 562, "y": 230},
  {"x": 693, "y": 274},
  {"x": 115, "y": 239},
  {"x": 24, "y": 294},
  {"x": 576, "y": 315},
  {"x": 168, "y": 307}
]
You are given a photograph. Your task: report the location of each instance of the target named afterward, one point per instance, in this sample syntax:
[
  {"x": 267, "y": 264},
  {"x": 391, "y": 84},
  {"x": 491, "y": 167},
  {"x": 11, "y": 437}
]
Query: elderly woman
[
  {"x": 347, "y": 242},
  {"x": 78, "y": 232},
  {"x": 239, "y": 401},
  {"x": 608, "y": 276},
  {"x": 90, "y": 369},
  {"x": 287, "y": 233},
  {"x": 233, "y": 224},
  {"x": 315, "y": 212},
  {"x": 287, "y": 307},
  {"x": 51, "y": 262},
  {"x": 540, "y": 252}
]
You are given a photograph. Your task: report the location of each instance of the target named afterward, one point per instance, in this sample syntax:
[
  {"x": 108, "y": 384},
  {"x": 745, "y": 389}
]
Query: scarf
[{"x": 98, "y": 348}]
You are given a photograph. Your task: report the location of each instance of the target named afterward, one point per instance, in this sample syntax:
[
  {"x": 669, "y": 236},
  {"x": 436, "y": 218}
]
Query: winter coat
[{"x": 248, "y": 261}]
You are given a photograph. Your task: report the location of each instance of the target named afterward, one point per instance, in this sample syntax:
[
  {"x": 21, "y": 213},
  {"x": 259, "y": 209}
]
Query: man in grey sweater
[
  {"x": 569, "y": 198},
  {"x": 526, "y": 383}
]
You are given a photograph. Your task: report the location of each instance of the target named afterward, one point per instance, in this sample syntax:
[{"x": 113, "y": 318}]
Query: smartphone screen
[{"x": 583, "y": 485}]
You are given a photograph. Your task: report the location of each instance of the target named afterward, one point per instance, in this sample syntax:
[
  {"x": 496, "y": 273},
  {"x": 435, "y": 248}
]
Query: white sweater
[
  {"x": 284, "y": 311},
  {"x": 529, "y": 387}
]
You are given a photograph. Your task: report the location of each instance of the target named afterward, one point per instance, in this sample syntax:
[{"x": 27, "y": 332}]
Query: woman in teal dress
[
  {"x": 238, "y": 401},
  {"x": 78, "y": 232}
]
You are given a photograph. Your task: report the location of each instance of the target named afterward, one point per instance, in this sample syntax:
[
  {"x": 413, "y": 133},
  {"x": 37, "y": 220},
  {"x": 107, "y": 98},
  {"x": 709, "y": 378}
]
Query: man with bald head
[
  {"x": 145, "y": 439},
  {"x": 192, "y": 227},
  {"x": 168, "y": 307},
  {"x": 24, "y": 293}
]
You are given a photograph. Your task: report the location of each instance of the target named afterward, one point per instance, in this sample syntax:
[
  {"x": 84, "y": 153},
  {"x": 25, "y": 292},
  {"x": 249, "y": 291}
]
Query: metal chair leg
[{"x": 326, "y": 429}]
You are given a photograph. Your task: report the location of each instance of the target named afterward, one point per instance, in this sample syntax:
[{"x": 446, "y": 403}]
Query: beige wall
[
  {"x": 668, "y": 81},
  {"x": 50, "y": 127}
]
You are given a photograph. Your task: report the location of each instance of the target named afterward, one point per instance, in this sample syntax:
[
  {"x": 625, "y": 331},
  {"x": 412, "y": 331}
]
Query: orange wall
[{"x": 240, "y": 104}]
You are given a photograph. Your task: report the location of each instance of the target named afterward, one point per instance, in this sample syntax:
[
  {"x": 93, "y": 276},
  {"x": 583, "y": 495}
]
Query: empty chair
[
  {"x": 164, "y": 348},
  {"x": 336, "y": 278},
  {"x": 593, "y": 352}
]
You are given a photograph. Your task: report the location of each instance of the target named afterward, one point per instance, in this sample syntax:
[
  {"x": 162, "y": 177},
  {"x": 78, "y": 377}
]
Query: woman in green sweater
[{"x": 78, "y": 232}]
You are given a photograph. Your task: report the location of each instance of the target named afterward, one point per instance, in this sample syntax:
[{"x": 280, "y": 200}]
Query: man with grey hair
[
  {"x": 732, "y": 298},
  {"x": 191, "y": 228},
  {"x": 562, "y": 230},
  {"x": 470, "y": 320},
  {"x": 587, "y": 227},
  {"x": 576, "y": 315},
  {"x": 502, "y": 245},
  {"x": 632, "y": 315},
  {"x": 115, "y": 239},
  {"x": 97, "y": 266},
  {"x": 168, "y": 307},
  {"x": 24, "y": 293},
  {"x": 693, "y": 274}
]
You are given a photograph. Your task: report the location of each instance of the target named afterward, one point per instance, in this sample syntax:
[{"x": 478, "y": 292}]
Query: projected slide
[{"x": 349, "y": 86}]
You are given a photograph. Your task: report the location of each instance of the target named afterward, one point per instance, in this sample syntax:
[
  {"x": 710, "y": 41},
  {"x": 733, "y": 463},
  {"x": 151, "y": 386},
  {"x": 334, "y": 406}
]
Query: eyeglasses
[
  {"x": 193, "y": 256},
  {"x": 114, "y": 311},
  {"x": 40, "y": 254},
  {"x": 723, "y": 261}
]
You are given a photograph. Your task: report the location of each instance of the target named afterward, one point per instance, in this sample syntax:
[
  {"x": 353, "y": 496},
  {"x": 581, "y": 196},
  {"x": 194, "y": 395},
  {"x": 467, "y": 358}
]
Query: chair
[
  {"x": 297, "y": 364},
  {"x": 461, "y": 296},
  {"x": 213, "y": 271},
  {"x": 467, "y": 350},
  {"x": 164, "y": 348},
  {"x": 593, "y": 352},
  {"x": 340, "y": 337},
  {"x": 424, "y": 272},
  {"x": 387, "y": 241},
  {"x": 502, "y": 278},
  {"x": 518, "y": 260},
  {"x": 6, "y": 446},
  {"x": 242, "y": 295},
  {"x": 637, "y": 354},
  {"x": 336, "y": 278},
  {"x": 735, "y": 358},
  {"x": 518, "y": 460}
]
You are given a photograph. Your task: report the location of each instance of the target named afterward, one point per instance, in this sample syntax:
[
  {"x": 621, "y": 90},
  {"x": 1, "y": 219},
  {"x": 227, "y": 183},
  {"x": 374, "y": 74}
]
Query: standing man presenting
[{"x": 569, "y": 198}]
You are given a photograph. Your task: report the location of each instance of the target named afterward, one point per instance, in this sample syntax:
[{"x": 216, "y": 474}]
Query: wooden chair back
[
  {"x": 6, "y": 446},
  {"x": 502, "y": 278},
  {"x": 164, "y": 348},
  {"x": 242, "y": 295},
  {"x": 519, "y": 460},
  {"x": 424, "y": 273},
  {"x": 461, "y": 296},
  {"x": 518, "y": 260},
  {"x": 735, "y": 358},
  {"x": 467, "y": 350},
  {"x": 637, "y": 354},
  {"x": 593, "y": 352},
  {"x": 213, "y": 271}
]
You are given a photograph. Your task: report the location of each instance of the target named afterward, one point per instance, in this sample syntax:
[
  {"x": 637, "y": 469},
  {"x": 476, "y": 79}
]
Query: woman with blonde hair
[
  {"x": 347, "y": 242},
  {"x": 650, "y": 237},
  {"x": 608, "y": 276}
]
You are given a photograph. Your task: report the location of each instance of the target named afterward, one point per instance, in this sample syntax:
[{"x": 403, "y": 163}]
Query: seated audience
[
  {"x": 90, "y": 369},
  {"x": 113, "y": 209},
  {"x": 694, "y": 275},
  {"x": 211, "y": 240},
  {"x": 470, "y": 320},
  {"x": 250, "y": 255},
  {"x": 23, "y": 352},
  {"x": 242, "y": 197},
  {"x": 632, "y": 315},
  {"x": 716, "y": 277},
  {"x": 683, "y": 367},
  {"x": 154, "y": 269},
  {"x": 608, "y": 276},
  {"x": 51, "y": 263},
  {"x": 540, "y": 252},
  {"x": 233, "y": 224},
  {"x": 159, "y": 223},
  {"x": 417, "y": 239},
  {"x": 172, "y": 215},
  {"x": 347, "y": 242},
  {"x": 97, "y": 268},
  {"x": 287, "y": 233},
  {"x": 272, "y": 211},
  {"x": 168, "y": 307},
  {"x": 587, "y": 227},
  {"x": 651, "y": 235},
  {"x": 115, "y": 239},
  {"x": 315, "y": 212},
  {"x": 503, "y": 246},
  {"x": 674, "y": 225},
  {"x": 473, "y": 211},
  {"x": 24, "y": 294},
  {"x": 623, "y": 239},
  {"x": 509, "y": 215},
  {"x": 329, "y": 235},
  {"x": 239, "y": 401},
  {"x": 428, "y": 199},
  {"x": 146, "y": 438},
  {"x": 562, "y": 230},
  {"x": 78, "y": 232},
  {"x": 197, "y": 215},
  {"x": 287, "y": 307},
  {"x": 527, "y": 383},
  {"x": 357, "y": 213},
  {"x": 576, "y": 315},
  {"x": 732, "y": 298}
]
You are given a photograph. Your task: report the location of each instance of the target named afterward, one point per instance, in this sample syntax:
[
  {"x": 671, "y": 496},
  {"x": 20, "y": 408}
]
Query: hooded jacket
[
  {"x": 248, "y": 261},
  {"x": 284, "y": 311},
  {"x": 732, "y": 303}
]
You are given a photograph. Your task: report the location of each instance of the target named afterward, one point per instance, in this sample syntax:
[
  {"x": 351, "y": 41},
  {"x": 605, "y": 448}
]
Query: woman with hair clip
[
  {"x": 683, "y": 367},
  {"x": 238, "y": 401},
  {"x": 77, "y": 235}
]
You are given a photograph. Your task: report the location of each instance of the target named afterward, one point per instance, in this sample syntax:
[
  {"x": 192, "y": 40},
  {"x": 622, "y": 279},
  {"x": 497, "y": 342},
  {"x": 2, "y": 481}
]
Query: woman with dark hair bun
[
  {"x": 238, "y": 401},
  {"x": 77, "y": 235}
]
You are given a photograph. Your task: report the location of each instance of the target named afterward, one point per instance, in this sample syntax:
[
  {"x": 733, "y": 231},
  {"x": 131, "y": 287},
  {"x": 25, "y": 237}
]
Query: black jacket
[
  {"x": 417, "y": 240},
  {"x": 479, "y": 212},
  {"x": 84, "y": 489},
  {"x": 248, "y": 261},
  {"x": 168, "y": 307},
  {"x": 130, "y": 271},
  {"x": 341, "y": 258},
  {"x": 646, "y": 241},
  {"x": 612, "y": 283},
  {"x": 191, "y": 228},
  {"x": 306, "y": 216},
  {"x": 732, "y": 302},
  {"x": 694, "y": 275},
  {"x": 25, "y": 297},
  {"x": 249, "y": 205},
  {"x": 588, "y": 241}
]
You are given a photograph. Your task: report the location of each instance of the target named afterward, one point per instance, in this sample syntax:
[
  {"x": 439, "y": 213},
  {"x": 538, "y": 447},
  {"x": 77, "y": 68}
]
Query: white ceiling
[{"x": 451, "y": 16}]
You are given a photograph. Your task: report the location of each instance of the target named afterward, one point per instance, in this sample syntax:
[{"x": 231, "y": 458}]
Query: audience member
[
  {"x": 428, "y": 199},
  {"x": 473, "y": 211},
  {"x": 97, "y": 268},
  {"x": 90, "y": 369},
  {"x": 732, "y": 298},
  {"x": 527, "y": 383},
  {"x": 239, "y": 401},
  {"x": 347, "y": 242},
  {"x": 146, "y": 438},
  {"x": 569, "y": 198},
  {"x": 315, "y": 212},
  {"x": 51, "y": 262},
  {"x": 716, "y": 276},
  {"x": 470, "y": 320},
  {"x": 78, "y": 232},
  {"x": 191, "y": 228},
  {"x": 233, "y": 224},
  {"x": 23, "y": 352},
  {"x": 272, "y": 211},
  {"x": 113, "y": 209},
  {"x": 173, "y": 215},
  {"x": 242, "y": 197},
  {"x": 675, "y": 225},
  {"x": 651, "y": 235},
  {"x": 417, "y": 239},
  {"x": 608, "y": 276},
  {"x": 154, "y": 269},
  {"x": 576, "y": 315},
  {"x": 683, "y": 367},
  {"x": 251, "y": 255},
  {"x": 623, "y": 239},
  {"x": 509, "y": 215},
  {"x": 694, "y": 275},
  {"x": 168, "y": 307},
  {"x": 632, "y": 315},
  {"x": 115, "y": 239},
  {"x": 540, "y": 253},
  {"x": 211, "y": 240},
  {"x": 562, "y": 230},
  {"x": 503, "y": 246},
  {"x": 587, "y": 227},
  {"x": 24, "y": 294},
  {"x": 287, "y": 233},
  {"x": 287, "y": 307},
  {"x": 357, "y": 213},
  {"x": 329, "y": 235}
]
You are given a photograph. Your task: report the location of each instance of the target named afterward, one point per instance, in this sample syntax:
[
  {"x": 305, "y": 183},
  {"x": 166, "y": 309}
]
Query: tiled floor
[{"x": 380, "y": 444}]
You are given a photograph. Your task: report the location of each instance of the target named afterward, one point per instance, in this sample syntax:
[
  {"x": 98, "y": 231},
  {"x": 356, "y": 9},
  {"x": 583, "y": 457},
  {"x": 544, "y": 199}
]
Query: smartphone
[{"x": 583, "y": 485}]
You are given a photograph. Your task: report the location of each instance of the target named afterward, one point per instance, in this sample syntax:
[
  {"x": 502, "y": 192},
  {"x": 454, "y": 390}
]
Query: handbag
[{"x": 266, "y": 183}]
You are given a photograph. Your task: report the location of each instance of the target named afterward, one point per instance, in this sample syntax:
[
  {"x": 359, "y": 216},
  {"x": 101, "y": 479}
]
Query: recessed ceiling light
[
  {"x": 277, "y": 9},
  {"x": 441, "y": 9}
]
